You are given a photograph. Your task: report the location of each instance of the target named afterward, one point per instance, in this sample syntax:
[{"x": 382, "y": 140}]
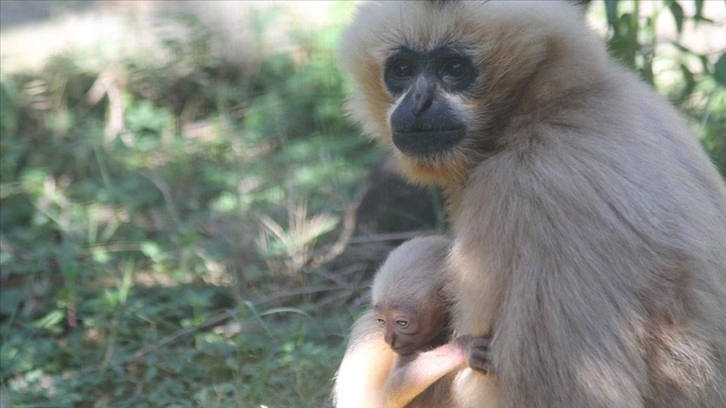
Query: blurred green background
[{"x": 186, "y": 216}]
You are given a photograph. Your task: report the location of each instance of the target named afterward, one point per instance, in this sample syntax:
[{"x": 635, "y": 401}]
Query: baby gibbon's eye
[
  {"x": 402, "y": 323},
  {"x": 381, "y": 322}
]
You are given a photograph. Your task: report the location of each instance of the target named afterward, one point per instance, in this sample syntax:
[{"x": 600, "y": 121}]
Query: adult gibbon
[
  {"x": 399, "y": 354},
  {"x": 589, "y": 225}
]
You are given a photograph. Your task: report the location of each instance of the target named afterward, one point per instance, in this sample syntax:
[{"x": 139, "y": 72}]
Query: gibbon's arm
[
  {"x": 412, "y": 375},
  {"x": 569, "y": 294},
  {"x": 365, "y": 368}
]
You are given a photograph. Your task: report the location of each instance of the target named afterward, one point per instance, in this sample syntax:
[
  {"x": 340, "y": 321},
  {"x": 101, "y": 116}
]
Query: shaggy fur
[{"x": 589, "y": 224}]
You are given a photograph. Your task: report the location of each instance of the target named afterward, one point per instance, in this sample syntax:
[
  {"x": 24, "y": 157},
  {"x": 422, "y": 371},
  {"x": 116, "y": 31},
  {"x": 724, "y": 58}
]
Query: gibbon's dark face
[
  {"x": 424, "y": 124},
  {"x": 436, "y": 82}
]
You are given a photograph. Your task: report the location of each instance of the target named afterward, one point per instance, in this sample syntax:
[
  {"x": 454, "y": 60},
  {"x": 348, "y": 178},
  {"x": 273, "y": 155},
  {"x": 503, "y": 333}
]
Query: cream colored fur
[{"x": 589, "y": 225}]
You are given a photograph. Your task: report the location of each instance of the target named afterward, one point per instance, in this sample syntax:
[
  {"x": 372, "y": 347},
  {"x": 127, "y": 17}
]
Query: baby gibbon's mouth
[{"x": 405, "y": 349}]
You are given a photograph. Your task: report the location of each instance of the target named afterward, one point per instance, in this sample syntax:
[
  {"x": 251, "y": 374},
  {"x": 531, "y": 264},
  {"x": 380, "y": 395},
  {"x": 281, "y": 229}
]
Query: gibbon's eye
[
  {"x": 402, "y": 69},
  {"x": 399, "y": 70},
  {"x": 456, "y": 72},
  {"x": 402, "y": 323},
  {"x": 454, "y": 68},
  {"x": 381, "y": 322}
]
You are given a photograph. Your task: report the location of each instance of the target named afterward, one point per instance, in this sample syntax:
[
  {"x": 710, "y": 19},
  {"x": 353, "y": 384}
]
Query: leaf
[
  {"x": 278, "y": 310},
  {"x": 719, "y": 70},
  {"x": 50, "y": 320},
  {"x": 150, "y": 249},
  {"x": 677, "y": 12},
  {"x": 624, "y": 44},
  {"x": 681, "y": 47},
  {"x": 689, "y": 86},
  {"x": 704, "y": 63},
  {"x": 611, "y": 9},
  {"x": 699, "y": 10}
]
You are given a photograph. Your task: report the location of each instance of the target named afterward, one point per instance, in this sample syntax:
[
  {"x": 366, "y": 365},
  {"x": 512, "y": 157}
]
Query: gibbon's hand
[
  {"x": 479, "y": 359},
  {"x": 476, "y": 349}
]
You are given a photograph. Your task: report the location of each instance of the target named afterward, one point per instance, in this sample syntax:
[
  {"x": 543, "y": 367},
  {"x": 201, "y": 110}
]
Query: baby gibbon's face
[{"x": 409, "y": 330}]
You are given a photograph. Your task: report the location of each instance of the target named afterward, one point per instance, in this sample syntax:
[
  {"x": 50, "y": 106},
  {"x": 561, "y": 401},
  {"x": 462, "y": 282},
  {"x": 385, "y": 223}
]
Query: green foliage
[
  {"x": 132, "y": 218},
  {"x": 700, "y": 88},
  {"x": 719, "y": 70}
]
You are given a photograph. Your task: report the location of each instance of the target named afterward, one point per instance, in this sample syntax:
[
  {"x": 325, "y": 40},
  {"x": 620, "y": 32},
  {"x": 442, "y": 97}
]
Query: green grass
[
  {"x": 165, "y": 222},
  {"x": 170, "y": 258}
]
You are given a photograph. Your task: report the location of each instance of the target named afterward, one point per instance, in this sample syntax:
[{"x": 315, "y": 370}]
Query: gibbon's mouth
[{"x": 427, "y": 143}]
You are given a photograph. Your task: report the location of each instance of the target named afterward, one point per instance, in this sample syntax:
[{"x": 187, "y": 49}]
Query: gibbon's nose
[
  {"x": 389, "y": 338},
  {"x": 422, "y": 95}
]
